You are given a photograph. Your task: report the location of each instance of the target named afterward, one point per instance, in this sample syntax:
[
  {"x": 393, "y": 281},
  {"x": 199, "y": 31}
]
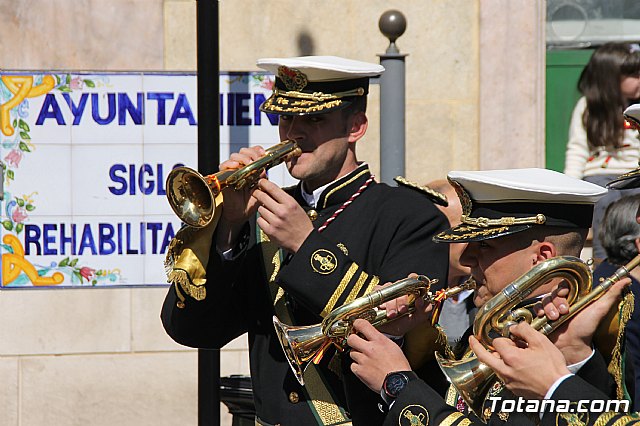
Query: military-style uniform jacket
[
  {"x": 420, "y": 404},
  {"x": 383, "y": 235}
]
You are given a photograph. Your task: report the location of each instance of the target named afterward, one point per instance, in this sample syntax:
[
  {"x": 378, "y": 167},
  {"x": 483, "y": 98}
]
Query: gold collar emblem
[{"x": 292, "y": 78}]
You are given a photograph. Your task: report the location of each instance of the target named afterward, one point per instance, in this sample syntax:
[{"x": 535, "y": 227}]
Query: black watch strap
[{"x": 394, "y": 383}]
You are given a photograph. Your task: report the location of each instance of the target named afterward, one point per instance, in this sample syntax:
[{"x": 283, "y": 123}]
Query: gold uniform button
[
  {"x": 294, "y": 398},
  {"x": 313, "y": 215}
]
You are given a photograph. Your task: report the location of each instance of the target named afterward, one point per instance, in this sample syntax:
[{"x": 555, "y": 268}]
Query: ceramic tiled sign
[{"x": 87, "y": 156}]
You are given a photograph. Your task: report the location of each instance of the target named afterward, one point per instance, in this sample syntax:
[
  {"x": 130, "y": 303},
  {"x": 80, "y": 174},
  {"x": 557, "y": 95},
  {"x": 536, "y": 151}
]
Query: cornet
[
  {"x": 304, "y": 344},
  {"x": 472, "y": 378},
  {"x": 192, "y": 196}
]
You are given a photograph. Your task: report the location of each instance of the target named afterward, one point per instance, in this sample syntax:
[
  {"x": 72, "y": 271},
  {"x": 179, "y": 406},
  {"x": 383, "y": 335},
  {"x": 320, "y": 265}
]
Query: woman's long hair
[{"x": 600, "y": 84}]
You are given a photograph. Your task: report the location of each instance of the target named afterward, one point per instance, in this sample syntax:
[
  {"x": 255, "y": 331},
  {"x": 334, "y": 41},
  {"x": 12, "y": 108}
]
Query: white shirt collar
[{"x": 312, "y": 199}]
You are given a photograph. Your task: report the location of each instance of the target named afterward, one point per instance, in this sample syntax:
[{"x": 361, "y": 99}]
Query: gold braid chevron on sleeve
[
  {"x": 372, "y": 284},
  {"x": 320, "y": 399},
  {"x": 451, "y": 419},
  {"x": 339, "y": 290},
  {"x": 631, "y": 419},
  {"x": 602, "y": 419},
  {"x": 357, "y": 287}
]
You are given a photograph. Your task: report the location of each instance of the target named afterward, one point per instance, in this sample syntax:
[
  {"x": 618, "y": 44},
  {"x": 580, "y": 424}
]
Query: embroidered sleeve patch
[
  {"x": 323, "y": 261},
  {"x": 413, "y": 415}
]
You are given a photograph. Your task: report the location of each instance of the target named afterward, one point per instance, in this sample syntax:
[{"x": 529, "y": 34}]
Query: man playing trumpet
[
  {"x": 300, "y": 252},
  {"x": 535, "y": 368},
  {"x": 512, "y": 221}
]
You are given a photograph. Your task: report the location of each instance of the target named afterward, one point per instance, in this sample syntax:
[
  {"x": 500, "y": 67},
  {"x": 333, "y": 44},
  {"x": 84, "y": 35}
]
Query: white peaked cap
[
  {"x": 530, "y": 185},
  {"x": 323, "y": 68}
]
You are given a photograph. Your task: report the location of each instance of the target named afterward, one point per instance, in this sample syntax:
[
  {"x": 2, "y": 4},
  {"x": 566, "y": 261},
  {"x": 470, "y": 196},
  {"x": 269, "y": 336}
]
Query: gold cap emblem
[{"x": 292, "y": 78}]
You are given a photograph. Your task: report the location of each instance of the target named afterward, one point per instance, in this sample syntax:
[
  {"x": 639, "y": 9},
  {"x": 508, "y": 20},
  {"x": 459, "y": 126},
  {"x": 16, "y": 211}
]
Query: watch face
[{"x": 395, "y": 383}]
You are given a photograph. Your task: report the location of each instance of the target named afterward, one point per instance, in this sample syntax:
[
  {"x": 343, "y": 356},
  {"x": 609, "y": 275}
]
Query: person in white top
[{"x": 601, "y": 143}]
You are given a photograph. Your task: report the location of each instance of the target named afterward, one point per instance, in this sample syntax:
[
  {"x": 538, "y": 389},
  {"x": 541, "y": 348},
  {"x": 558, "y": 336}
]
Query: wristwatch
[{"x": 394, "y": 383}]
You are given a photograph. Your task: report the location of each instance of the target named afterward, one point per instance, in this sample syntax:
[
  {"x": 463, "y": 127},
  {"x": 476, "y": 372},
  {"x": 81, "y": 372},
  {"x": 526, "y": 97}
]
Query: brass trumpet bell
[
  {"x": 470, "y": 377},
  {"x": 192, "y": 196},
  {"x": 300, "y": 345},
  {"x": 473, "y": 379}
]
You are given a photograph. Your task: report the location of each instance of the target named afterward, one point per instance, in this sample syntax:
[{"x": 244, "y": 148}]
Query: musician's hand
[
  {"x": 400, "y": 306},
  {"x": 528, "y": 368},
  {"x": 574, "y": 337},
  {"x": 239, "y": 206},
  {"x": 374, "y": 355},
  {"x": 281, "y": 217}
]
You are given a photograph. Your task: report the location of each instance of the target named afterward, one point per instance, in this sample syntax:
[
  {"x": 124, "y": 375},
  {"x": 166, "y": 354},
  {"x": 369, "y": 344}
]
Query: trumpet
[
  {"x": 472, "y": 378},
  {"x": 192, "y": 196},
  {"x": 305, "y": 344}
]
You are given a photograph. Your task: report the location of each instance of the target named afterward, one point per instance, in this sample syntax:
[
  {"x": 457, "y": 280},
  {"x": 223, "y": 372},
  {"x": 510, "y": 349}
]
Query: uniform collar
[
  {"x": 312, "y": 198},
  {"x": 338, "y": 191}
]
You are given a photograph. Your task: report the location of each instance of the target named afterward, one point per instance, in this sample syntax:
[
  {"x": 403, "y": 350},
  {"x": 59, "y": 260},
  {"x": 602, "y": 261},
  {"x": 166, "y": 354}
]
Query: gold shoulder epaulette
[{"x": 435, "y": 196}]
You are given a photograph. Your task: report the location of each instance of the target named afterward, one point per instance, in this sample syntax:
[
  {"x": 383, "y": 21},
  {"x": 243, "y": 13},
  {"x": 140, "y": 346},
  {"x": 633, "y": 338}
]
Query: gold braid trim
[
  {"x": 181, "y": 277},
  {"x": 615, "y": 366},
  {"x": 484, "y": 222},
  {"x": 442, "y": 340},
  {"x": 343, "y": 184},
  {"x": 604, "y": 418},
  {"x": 326, "y": 409},
  {"x": 188, "y": 255},
  {"x": 452, "y": 396},
  {"x": 626, "y": 420},
  {"x": 470, "y": 233},
  {"x": 339, "y": 290},
  {"x": 571, "y": 419},
  {"x": 320, "y": 400},
  {"x": 451, "y": 419},
  {"x": 275, "y": 105},
  {"x": 435, "y": 196},
  {"x": 372, "y": 284},
  {"x": 318, "y": 96},
  {"x": 356, "y": 287}
]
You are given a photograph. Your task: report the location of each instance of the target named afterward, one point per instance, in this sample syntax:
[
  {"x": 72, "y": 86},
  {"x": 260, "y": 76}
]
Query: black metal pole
[{"x": 208, "y": 70}]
